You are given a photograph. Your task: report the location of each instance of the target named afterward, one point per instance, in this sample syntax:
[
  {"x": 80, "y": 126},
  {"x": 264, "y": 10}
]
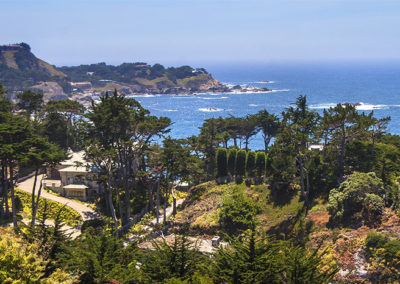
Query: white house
[{"x": 74, "y": 177}]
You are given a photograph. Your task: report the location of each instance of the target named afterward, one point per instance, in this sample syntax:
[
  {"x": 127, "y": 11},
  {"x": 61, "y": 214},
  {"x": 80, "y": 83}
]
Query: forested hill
[{"x": 20, "y": 69}]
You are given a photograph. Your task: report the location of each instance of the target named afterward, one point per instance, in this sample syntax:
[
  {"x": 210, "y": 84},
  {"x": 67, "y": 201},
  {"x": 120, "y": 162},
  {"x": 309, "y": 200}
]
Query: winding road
[{"x": 86, "y": 212}]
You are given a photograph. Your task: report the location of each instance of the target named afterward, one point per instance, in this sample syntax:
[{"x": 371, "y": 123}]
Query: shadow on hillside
[{"x": 294, "y": 227}]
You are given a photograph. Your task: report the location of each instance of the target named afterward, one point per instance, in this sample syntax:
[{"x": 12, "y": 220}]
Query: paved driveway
[{"x": 86, "y": 212}]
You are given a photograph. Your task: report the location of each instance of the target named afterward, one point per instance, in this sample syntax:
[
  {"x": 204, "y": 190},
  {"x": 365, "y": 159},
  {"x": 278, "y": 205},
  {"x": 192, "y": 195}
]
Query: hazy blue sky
[{"x": 66, "y": 32}]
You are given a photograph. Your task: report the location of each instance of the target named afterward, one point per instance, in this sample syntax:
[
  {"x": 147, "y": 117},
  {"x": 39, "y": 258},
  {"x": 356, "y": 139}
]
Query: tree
[
  {"x": 222, "y": 163},
  {"x": 30, "y": 102},
  {"x": 268, "y": 124},
  {"x": 121, "y": 131},
  {"x": 248, "y": 129},
  {"x": 300, "y": 129},
  {"x": 251, "y": 163},
  {"x": 179, "y": 260},
  {"x": 260, "y": 164},
  {"x": 342, "y": 122},
  {"x": 69, "y": 110},
  {"x": 232, "y": 161},
  {"x": 209, "y": 140},
  {"x": 238, "y": 211},
  {"x": 240, "y": 163},
  {"x": 41, "y": 154},
  {"x": 252, "y": 259},
  {"x": 360, "y": 192},
  {"x": 15, "y": 133},
  {"x": 18, "y": 262}
]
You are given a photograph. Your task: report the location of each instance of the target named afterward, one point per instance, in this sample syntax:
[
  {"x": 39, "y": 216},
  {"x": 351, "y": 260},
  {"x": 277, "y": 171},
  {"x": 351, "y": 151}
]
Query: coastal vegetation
[
  {"x": 297, "y": 211},
  {"x": 20, "y": 70}
]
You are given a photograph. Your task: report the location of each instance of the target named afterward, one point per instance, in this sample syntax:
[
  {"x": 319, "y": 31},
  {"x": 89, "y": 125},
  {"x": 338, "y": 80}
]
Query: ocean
[{"x": 374, "y": 86}]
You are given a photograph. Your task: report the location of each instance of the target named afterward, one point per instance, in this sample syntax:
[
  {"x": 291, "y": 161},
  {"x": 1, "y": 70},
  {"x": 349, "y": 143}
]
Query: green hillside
[{"x": 20, "y": 69}]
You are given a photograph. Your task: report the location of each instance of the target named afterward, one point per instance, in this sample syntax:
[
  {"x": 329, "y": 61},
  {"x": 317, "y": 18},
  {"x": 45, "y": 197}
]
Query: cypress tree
[
  {"x": 260, "y": 163},
  {"x": 250, "y": 163},
  {"x": 241, "y": 163},
  {"x": 232, "y": 161},
  {"x": 222, "y": 163}
]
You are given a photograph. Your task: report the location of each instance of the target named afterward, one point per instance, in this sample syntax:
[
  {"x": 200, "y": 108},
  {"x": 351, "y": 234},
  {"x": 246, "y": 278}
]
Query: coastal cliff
[{"x": 20, "y": 69}]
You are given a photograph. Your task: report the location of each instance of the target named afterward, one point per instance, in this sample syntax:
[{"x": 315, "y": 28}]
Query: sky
[{"x": 201, "y": 32}]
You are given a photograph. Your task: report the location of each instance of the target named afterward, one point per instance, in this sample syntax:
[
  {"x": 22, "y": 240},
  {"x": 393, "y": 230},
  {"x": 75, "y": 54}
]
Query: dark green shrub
[
  {"x": 232, "y": 161},
  {"x": 251, "y": 163},
  {"x": 238, "y": 211},
  {"x": 222, "y": 163},
  {"x": 97, "y": 224},
  {"x": 359, "y": 193},
  {"x": 374, "y": 241},
  {"x": 260, "y": 164},
  {"x": 241, "y": 163},
  {"x": 391, "y": 250}
]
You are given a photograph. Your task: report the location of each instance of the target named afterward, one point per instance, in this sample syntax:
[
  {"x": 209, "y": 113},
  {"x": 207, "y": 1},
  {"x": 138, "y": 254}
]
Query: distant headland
[{"x": 20, "y": 69}]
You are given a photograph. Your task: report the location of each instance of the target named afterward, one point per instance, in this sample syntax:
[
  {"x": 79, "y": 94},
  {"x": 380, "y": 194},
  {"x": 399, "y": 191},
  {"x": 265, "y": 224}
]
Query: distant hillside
[{"x": 20, "y": 69}]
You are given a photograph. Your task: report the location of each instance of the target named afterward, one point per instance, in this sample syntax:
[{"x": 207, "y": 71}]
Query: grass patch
[{"x": 68, "y": 215}]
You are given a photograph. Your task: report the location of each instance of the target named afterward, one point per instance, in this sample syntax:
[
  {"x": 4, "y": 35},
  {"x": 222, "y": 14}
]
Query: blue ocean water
[{"x": 376, "y": 86}]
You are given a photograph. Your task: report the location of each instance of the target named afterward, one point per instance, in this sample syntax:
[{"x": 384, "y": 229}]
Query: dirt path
[
  {"x": 168, "y": 212},
  {"x": 86, "y": 212}
]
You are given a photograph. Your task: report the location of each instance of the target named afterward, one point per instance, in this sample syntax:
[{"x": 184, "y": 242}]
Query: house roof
[
  {"x": 76, "y": 157},
  {"x": 75, "y": 169},
  {"x": 75, "y": 186}
]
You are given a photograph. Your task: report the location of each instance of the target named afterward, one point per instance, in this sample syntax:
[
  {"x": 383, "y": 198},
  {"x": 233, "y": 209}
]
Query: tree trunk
[
  {"x": 165, "y": 205},
  {"x": 36, "y": 205},
  {"x": 173, "y": 202},
  {"x": 267, "y": 139},
  {"x": 302, "y": 178},
  {"x": 5, "y": 191},
  {"x": 127, "y": 214},
  {"x": 13, "y": 203},
  {"x": 120, "y": 209},
  {"x": 341, "y": 154},
  {"x": 3, "y": 184},
  {"x": 33, "y": 194},
  {"x": 158, "y": 202},
  {"x": 112, "y": 209},
  {"x": 151, "y": 189}
]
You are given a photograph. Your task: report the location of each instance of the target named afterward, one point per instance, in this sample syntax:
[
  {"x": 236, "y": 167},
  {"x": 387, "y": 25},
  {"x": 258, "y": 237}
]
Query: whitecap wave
[
  {"x": 171, "y": 110},
  {"x": 143, "y": 96},
  {"x": 210, "y": 109},
  {"x": 253, "y": 105},
  {"x": 263, "y": 82},
  {"x": 359, "y": 106},
  {"x": 322, "y": 106},
  {"x": 220, "y": 98},
  {"x": 364, "y": 106}
]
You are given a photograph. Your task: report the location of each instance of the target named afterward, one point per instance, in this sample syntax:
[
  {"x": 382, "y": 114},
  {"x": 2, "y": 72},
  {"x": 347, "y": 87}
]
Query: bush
[
  {"x": 375, "y": 240},
  {"x": 222, "y": 163},
  {"x": 68, "y": 215},
  {"x": 232, "y": 161},
  {"x": 241, "y": 163},
  {"x": 97, "y": 224},
  {"x": 392, "y": 248},
  {"x": 238, "y": 211},
  {"x": 359, "y": 193},
  {"x": 251, "y": 163},
  {"x": 260, "y": 164}
]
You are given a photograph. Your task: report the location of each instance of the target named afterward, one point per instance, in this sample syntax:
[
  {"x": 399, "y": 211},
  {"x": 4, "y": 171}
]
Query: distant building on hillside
[
  {"x": 316, "y": 147},
  {"x": 74, "y": 177}
]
